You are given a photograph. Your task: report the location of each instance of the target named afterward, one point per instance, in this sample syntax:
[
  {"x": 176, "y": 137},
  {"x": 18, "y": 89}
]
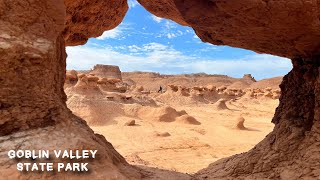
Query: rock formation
[
  {"x": 187, "y": 119},
  {"x": 273, "y": 27},
  {"x": 33, "y": 111},
  {"x": 291, "y": 150},
  {"x": 103, "y": 78},
  {"x": 249, "y": 77},
  {"x": 32, "y": 74},
  {"x": 106, "y": 71},
  {"x": 130, "y": 123},
  {"x": 84, "y": 19},
  {"x": 240, "y": 123},
  {"x": 71, "y": 76},
  {"x": 220, "y": 104}
]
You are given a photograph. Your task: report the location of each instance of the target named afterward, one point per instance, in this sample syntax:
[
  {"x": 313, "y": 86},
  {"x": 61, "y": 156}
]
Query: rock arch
[{"x": 33, "y": 35}]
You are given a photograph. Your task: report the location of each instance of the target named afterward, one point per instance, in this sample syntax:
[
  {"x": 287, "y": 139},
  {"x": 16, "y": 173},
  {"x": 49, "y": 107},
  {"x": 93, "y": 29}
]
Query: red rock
[{"x": 87, "y": 18}]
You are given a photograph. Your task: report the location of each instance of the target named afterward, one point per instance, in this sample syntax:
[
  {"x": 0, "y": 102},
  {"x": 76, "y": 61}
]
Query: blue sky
[{"x": 144, "y": 42}]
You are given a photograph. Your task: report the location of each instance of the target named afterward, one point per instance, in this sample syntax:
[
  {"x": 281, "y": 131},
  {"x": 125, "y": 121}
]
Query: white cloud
[
  {"x": 170, "y": 30},
  {"x": 170, "y": 25},
  {"x": 132, "y": 3},
  {"x": 171, "y": 35},
  {"x": 134, "y": 48},
  {"x": 117, "y": 33},
  {"x": 154, "y": 47},
  {"x": 165, "y": 59},
  {"x": 111, "y": 34},
  {"x": 156, "y": 19}
]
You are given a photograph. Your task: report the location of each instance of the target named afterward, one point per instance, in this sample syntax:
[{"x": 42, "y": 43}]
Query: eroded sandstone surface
[
  {"x": 85, "y": 19},
  {"x": 292, "y": 150},
  {"x": 33, "y": 111},
  {"x": 32, "y": 73}
]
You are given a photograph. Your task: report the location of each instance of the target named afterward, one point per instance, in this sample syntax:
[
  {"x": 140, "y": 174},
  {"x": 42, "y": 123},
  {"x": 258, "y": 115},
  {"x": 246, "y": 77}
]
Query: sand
[{"x": 182, "y": 129}]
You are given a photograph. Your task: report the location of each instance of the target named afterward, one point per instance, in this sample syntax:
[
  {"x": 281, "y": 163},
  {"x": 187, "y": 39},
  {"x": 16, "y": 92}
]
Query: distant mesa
[{"x": 106, "y": 71}]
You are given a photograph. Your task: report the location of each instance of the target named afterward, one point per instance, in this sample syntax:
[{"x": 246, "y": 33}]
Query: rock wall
[
  {"x": 33, "y": 112},
  {"x": 89, "y": 18},
  {"x": 32, "y": 65}
]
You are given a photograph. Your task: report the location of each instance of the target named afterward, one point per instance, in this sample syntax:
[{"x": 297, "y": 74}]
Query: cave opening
[
  {"x": 217, "y": 101},
  {"x": 34, "y": 112}
]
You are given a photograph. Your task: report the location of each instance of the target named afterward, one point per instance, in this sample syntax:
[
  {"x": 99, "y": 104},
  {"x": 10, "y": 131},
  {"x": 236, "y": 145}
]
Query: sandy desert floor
[
  {"x": 190, "y": 148},
  {"x": 180, "y": 130}
]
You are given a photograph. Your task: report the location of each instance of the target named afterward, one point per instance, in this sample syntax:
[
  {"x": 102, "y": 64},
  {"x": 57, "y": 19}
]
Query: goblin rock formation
[
  {"x": 101, "y": 78},
  {"x": 32, "y": 73}
]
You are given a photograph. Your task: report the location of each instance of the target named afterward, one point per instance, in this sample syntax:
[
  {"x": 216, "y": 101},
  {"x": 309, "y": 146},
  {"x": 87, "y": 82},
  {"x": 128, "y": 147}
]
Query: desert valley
[
  {"x": 196, "y": 119},
  {"x": 197, "y": 126}
]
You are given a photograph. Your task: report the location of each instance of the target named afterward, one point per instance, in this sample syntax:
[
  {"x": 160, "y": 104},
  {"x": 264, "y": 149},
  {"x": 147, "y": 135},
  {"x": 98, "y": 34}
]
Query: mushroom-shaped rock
[
  {"x": 102, "y": 81},
  {"x": 182, "y": 112},
  {"x": 184, "y": 91},
  {"x": 240, "y": 123},
  {"x": 221, "y": 88},
  {"x": 198, "y": 88},
  {"x": 139, "y": 89},
  {"x": 82, "y": 82},
  {"x": 268, "y": 94},
  {"x": 268, "y": 89},
  {"x": 128, "y": 97},
  {"x": 220, "y": 104},
  {"x": 80, "y": 75},
  {"x": 114, "y": 80},
  {"x": 172, "y": 87},
  {"x": 71, "y": 76},
  {"x": 249, "y": 94},
  {"x": 130, "y": 123},
  {"x": 211, "y": 87},
  {"x": 121, "y": 88},
  {"x": 93, "y": 79}
]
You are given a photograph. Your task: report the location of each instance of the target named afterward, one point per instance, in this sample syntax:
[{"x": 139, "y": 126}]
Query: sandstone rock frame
[{"x": 33, "y": 36}]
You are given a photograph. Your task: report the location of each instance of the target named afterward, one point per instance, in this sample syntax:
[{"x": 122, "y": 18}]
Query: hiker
[{"x": 160, "y": 90}]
